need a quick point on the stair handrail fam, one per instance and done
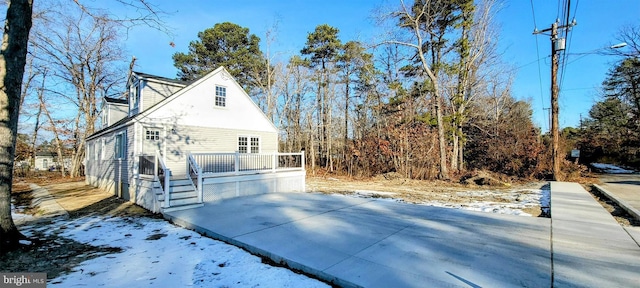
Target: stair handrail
(165, 179)
(193, 166)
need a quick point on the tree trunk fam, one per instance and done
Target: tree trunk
(454, 151)
(56, 136)
(12, 61)
(346, 124)
(34, 139)
(444, 172)
(328, 128)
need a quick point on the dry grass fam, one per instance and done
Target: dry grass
(51, 253)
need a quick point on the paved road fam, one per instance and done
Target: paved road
(625, 187)
(625, 190)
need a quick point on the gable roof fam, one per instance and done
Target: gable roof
(115, 100)
(131, 119)
(161, 79)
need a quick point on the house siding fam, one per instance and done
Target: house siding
(190, 139)
(115, 113)
(40, 162)
(188, 122)
(154, 92)
(195, 106)
(106, 172)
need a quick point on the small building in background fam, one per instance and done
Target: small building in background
(48, 161)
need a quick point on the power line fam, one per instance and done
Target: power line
(569, 37)
(535, 26)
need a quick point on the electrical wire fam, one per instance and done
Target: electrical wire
(539, 69)
(569, 37)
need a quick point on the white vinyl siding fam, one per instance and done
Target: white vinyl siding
(195, 106)
(103, 148)
(114, 171)
(96, 151)
(208, 140)
(154, 92)
(115, 112)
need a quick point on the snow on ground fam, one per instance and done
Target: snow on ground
(611, 169)
(19, 217)
(512, 202)
(159, 254)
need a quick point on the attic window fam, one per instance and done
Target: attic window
(221, 96)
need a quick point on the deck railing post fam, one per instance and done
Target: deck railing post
(167, 187)
(200, 185)
(237, 162)
(274, 162)
(155, 167)
(302, 160)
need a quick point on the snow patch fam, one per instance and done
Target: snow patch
(611, 169)
(512, 201)
(374, 193)
(181, 258)
(19, 218)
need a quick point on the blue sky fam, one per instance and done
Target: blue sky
(598, 21)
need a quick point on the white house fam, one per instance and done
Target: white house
(181, 144)
(45, 161)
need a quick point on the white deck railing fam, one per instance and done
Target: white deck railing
(195, 173)
(218, 164)
(153, 165)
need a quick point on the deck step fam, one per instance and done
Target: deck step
(184, 201)
(183, 194)
(181, 182)
(182, 207)
(184, 188)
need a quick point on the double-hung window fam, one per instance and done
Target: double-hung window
(120, 149)
(221, 96)
(248, 144)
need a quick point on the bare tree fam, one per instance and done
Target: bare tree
(428, 22)
(264, 77)
(13, 55)
(56, 129)
(476, 49)
(84, 54)
(629, 34)
(294, 85)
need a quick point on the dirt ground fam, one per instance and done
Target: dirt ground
(419, 191)
(52, 254)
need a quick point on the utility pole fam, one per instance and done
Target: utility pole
(557, 44)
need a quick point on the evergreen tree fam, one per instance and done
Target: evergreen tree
(322, 48)
(226, 44)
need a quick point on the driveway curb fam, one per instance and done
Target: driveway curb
(626, 206)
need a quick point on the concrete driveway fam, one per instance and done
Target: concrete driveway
(358, 242)
(378, 243)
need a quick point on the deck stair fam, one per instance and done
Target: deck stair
(182, 195)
